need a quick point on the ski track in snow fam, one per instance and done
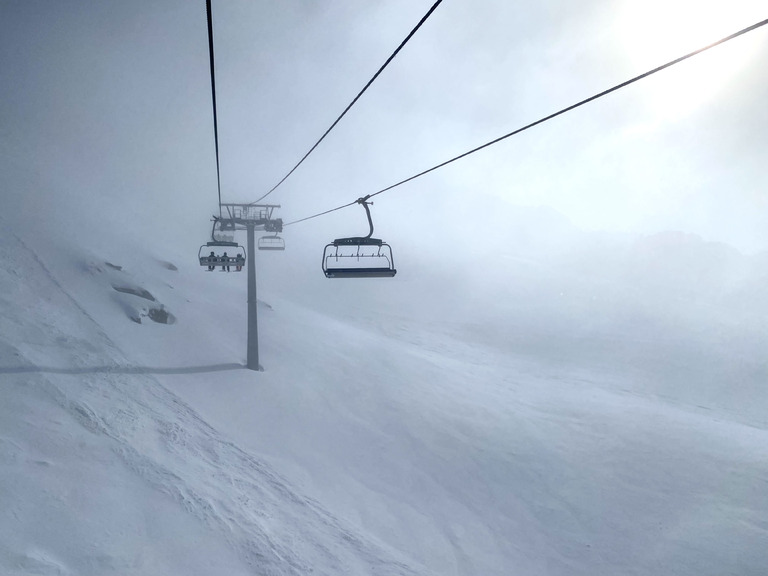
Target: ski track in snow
(274, 529)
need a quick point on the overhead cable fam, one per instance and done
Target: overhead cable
(213, 99)
(542, 120)
(403, 43)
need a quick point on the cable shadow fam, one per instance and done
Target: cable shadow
(121, 369)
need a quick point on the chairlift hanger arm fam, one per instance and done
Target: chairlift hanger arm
(548, 117)
(213, 228)
(364, 202)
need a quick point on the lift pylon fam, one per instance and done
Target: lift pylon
(248, 217)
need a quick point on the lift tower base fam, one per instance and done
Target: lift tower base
(253, 305)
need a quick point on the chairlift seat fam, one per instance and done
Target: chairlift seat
(342, 251)
(360, 272)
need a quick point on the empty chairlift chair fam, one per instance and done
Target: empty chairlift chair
(271, 243)
(358, 256)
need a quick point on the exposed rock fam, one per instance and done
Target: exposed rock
(136, 291)
(161, 315)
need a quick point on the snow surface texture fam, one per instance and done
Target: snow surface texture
(375, 442)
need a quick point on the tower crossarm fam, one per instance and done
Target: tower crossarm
(244, 216)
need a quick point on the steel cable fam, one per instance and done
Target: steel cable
(549, 117)
(380, 70)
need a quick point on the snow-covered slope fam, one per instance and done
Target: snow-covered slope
(106, 471)
(373, 443)
(523, 398)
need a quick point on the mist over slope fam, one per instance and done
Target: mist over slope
(444, 422)
(524, 397)
(105, 471)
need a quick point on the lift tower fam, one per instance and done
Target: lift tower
(250, 217)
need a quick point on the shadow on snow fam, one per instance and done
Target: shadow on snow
(121, 369)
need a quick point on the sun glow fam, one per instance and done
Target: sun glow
(654, 32)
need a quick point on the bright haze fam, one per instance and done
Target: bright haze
(126, 88)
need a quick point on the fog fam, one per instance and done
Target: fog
(566, 375)
(114, 101)
(641, 213)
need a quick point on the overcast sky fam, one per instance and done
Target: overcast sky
(108, 103)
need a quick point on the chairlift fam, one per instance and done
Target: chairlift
(359, 256)
(221, 253)
(271, 243)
